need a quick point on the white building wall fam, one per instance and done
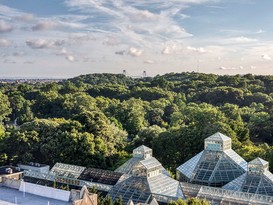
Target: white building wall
(153, 173)
(44, 191)
(42, 169)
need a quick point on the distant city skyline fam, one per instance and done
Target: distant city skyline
(67, 38)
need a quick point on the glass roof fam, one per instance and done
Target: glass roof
(149, 176)
(213, 168)
(150, 163)
(165, 185)
(269, 175)
(258, 161)
(223, 196)
(128, 167)
(236, 158)
(188, 167)
(216, 165)
(142, 149)
(139, 189)
(100, 176)
(236, 184)
(134, 188)
(253, 183)
(66, 170)
(218, 137)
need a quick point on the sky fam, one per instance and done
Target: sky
(67, 38)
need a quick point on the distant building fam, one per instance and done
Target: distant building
(10, 172)
(215, 166)
(10, 176)
(35, 167)
(257, 180)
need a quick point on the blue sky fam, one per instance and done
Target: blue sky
(66, 38)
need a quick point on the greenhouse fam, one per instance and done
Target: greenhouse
(139, 154)
(145, 169)
(75, 176)
(134, 188)
(215, 166)
(257, 180)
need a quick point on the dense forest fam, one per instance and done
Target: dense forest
(96, 120)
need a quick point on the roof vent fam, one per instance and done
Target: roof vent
(9, 171)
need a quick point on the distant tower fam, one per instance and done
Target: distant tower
(124, 72)
(144, 74)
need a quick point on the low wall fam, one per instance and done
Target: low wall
(45, 191)
(11, 183)
(6, 203)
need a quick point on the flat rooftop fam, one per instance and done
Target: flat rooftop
(32, 164)
(3, 170)
(12, 196)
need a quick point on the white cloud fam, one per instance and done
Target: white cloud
(18, 53)
(70, 58)
(134, 52)
(112, 41)
(240, 40)
(5, 27)
(26, 17)
(169, 49)
(149, 62)
(72, 25)
(198, 50)
(8, 12)
(44, 43)
(45, 25)
(63, 51)
(143, 15)
(96, 30)
(167, 4)
(133, 24)
(60, 22)
(5, 43)
(260, 31)
(184, 16)
(80, 38)
(231, 68)
(266, 57)
(29, 62)
(8, 61)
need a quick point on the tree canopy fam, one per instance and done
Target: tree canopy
(96, 120)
